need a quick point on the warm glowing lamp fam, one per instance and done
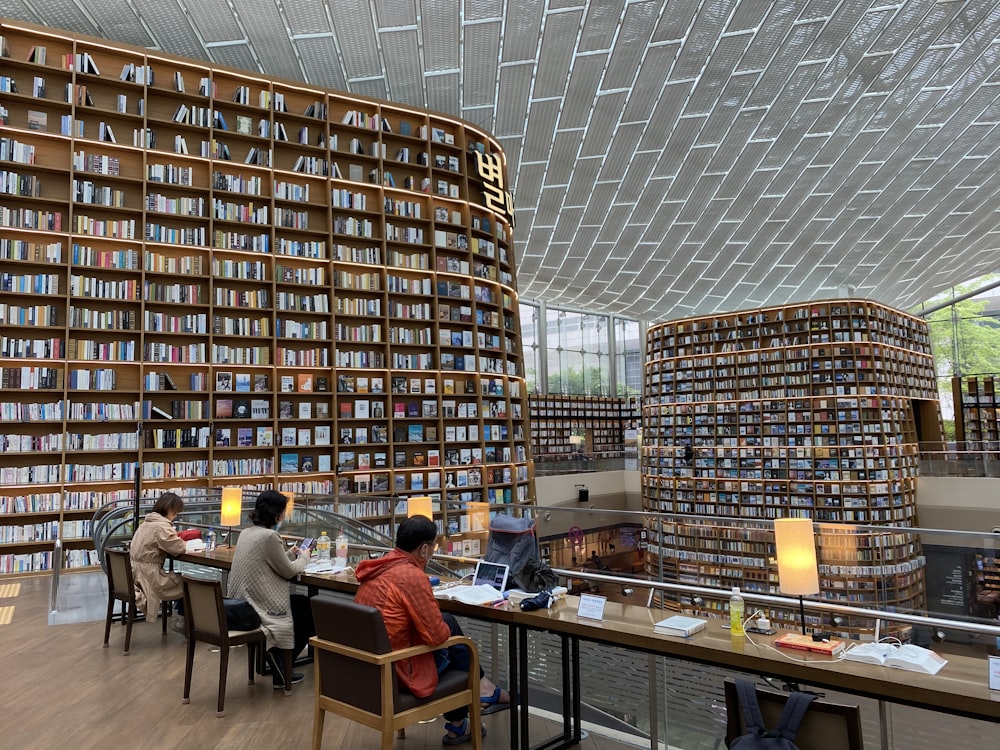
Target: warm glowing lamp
(422, 505)
(232, 509)
(291, 505)
(479, 516)
(795, 547)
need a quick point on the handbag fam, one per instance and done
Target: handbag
(240, 615)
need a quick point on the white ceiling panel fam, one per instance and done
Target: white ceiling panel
(513, 88)
(584, 81)
(213, 19)
(555, 55)
(355, 29)
(174, 31)
(123, 27)
(321, 62)
(522, 28)
(265, 28)
(63, 15)
(667, 159)
(480, 60)
(404, 80)
(541, 128)
(630, 44)
(600, 24)
(306, 17)
(442, 34)
(236, 56)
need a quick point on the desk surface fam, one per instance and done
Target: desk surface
(959, 688)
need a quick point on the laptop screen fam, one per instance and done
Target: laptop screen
(492, 574)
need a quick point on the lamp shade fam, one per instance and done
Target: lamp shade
(795, 546)
(420, 506)
(232, 506)
(291, 504)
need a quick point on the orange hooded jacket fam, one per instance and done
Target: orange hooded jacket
(398, 586)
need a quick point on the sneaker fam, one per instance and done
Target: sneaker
(177, 625)
(278, 672)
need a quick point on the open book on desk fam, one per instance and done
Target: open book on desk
(481, 594)
(326, 566)
(907, 656)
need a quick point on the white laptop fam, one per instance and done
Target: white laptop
(492, 574)
(487, 585)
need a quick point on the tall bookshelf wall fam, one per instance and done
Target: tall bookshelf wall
(806, 410)
(602, 420)
(215, 278)
(977, 410)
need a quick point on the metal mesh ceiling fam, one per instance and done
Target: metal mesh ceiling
(669, 160)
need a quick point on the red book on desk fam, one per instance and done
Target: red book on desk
(800, 642)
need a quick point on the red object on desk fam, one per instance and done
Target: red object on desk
(188, 534)
(801, 642)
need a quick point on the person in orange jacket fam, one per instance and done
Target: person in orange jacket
(397, 585)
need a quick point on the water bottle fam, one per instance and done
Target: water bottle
(210, 540)
(323, 546)
(736, 612)
(341, 549)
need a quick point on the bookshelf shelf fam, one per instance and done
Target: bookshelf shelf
(174, 221)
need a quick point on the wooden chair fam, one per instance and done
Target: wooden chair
(121, 588)
(827, 726)
(356, 677)
(205, 620)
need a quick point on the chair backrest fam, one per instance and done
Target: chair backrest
(358, 626)
(827, 726)
(120, 574)
(203, 606)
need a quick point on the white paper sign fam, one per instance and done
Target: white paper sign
(995, 673)
(591, 607)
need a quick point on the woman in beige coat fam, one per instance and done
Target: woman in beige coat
(154, 540)
(261, 570)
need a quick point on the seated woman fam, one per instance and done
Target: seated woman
(155, 540)
(260, 573)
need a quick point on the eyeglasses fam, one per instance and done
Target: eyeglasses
(433, 547)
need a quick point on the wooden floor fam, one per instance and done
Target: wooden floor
(62, 686)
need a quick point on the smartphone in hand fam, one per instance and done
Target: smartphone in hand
(306, 544)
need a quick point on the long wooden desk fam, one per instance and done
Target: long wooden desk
(960, 688)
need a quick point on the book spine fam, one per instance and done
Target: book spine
(803, 647)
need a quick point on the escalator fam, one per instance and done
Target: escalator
(114, 524)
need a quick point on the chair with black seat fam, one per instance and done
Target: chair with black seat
(121, 588)
(351, 639)
(826, 726)
(205, 620)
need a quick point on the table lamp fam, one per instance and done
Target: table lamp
(290, 508)
(795, 547)
(232, 509)
(421, 505)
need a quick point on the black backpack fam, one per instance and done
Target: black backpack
(759, 737)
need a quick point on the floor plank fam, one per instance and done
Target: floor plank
(63, 684)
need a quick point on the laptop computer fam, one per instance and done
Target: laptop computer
(492, 574)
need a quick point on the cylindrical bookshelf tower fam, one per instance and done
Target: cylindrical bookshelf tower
(810, 410)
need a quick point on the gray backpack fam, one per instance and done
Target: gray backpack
(512, 541)
(759, 737)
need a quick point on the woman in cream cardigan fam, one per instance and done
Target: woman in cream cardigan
(262, 568)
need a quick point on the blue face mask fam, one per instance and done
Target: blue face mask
(278, 525)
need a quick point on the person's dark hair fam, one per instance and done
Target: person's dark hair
(168, 501)
(270, 504)
(414, 531)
